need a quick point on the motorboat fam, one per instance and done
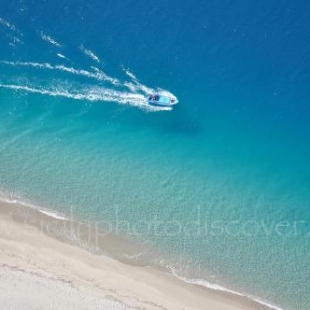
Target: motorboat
(161, 100)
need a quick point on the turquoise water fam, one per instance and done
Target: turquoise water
(220, 183)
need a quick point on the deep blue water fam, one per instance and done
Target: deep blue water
(220, 171)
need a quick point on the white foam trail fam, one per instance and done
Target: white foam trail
(49, 39)
(130, 74)
(136, 96)
(27, 64)
(13, 35)
(89, 53)
(136, 85)
(17, 40)
(217, 287)
(61, 56)
(91, 94)
(133, 88)
(145, 89)
(98, 75)
(14, 40)
(8, 25)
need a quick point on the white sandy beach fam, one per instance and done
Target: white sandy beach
(41, 272)
(25, 290)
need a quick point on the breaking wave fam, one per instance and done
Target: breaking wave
(216, 287)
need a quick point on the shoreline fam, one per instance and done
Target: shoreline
(26, 244)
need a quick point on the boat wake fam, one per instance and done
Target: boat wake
(79, 84)
(90, 54)
(13, 34)
(61, 80)
(93, 94)
(49, 39)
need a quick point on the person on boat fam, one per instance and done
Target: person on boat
(153, 97)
